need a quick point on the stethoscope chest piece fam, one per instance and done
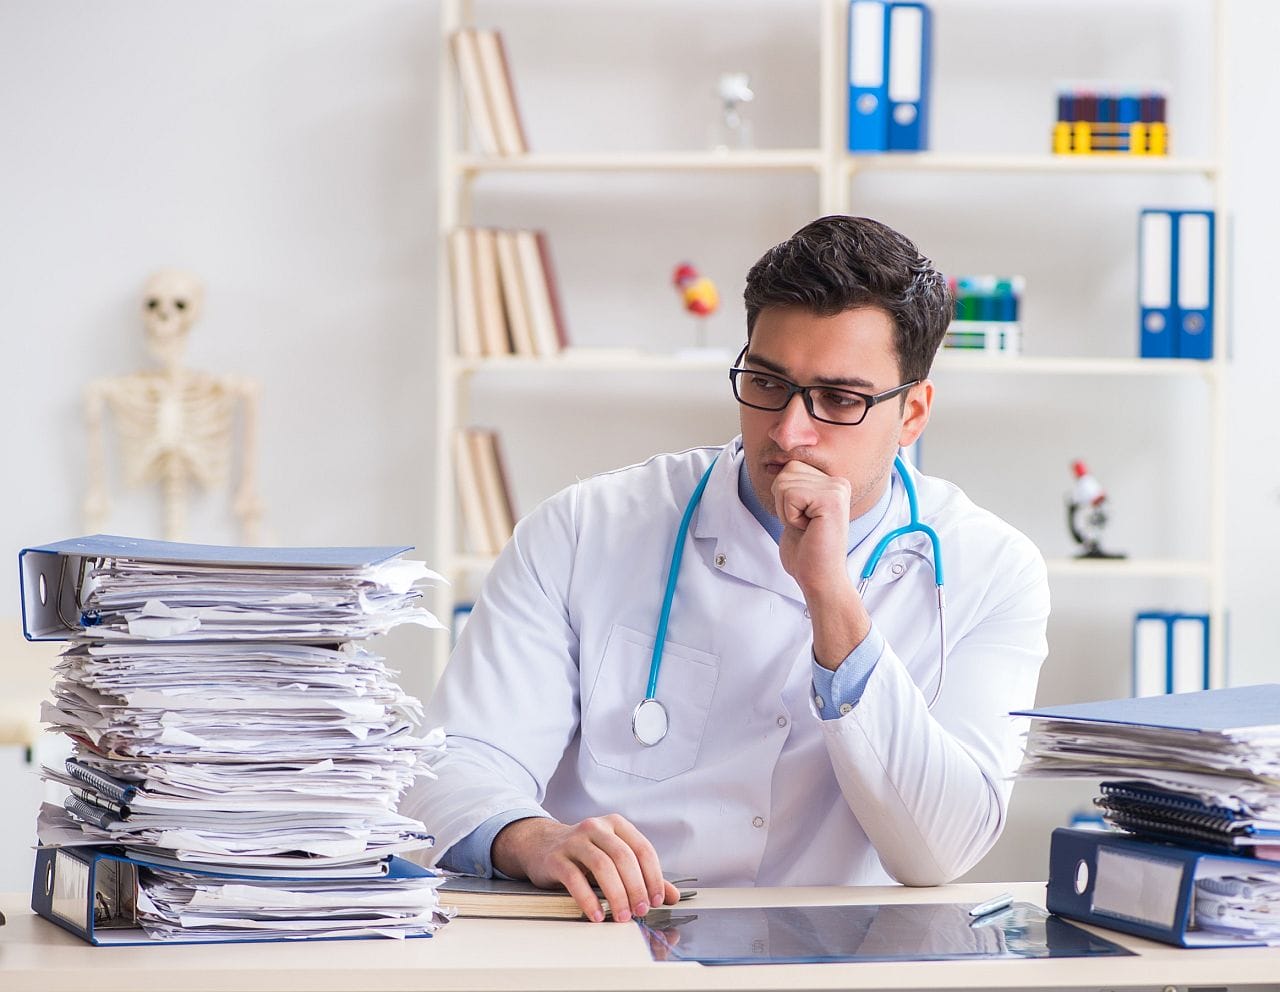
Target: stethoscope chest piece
(649, 722)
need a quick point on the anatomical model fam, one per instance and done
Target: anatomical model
(174, 424)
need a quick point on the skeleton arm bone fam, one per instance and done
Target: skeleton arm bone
(247, 505)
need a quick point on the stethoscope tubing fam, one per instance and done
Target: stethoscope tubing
(651, 707)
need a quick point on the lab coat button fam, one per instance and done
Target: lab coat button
(817, 700)
(782, 721)
(720, 560)
(845, 708)
(758, 822)
(806, 614)
(897, 568)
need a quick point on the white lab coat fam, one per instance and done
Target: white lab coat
(750, 786)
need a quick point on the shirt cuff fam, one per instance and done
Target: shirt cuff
(473, 855)
(836, 693)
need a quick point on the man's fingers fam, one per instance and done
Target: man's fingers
(647, 858)
(576, 882)
(600, 866)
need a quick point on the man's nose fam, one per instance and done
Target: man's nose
(794, 427)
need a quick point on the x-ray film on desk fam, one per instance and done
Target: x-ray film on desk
(815, 934)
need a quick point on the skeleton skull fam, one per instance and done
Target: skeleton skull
(171, 303)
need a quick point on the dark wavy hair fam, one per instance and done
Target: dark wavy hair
(840, 263)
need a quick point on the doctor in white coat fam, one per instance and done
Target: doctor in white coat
(802, 748)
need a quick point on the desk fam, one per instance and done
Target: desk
(506, 954)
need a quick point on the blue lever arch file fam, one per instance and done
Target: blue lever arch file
(50, 575)
(1138, 887)
(910, 53)
(92, 893)
(868, 75)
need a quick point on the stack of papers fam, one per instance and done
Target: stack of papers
(124, 599)
(1246, 904)
(1199, 769)
(1221, 746)
(225, 719)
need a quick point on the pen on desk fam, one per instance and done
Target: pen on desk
(1003, 901)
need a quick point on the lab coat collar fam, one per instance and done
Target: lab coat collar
(744, 549)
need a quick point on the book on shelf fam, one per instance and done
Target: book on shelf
(484, 73)
(495, 69)
(501, 898)
(466, 312)
(466, 58)
(505, 297)
(466, 478)
(484, 493)
(514, 295)
(549, 329)
(494, 338)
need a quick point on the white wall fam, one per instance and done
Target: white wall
(283, 150)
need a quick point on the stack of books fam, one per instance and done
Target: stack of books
(485, 76)
(1191, 790)
(505, 298)
(986, 314)
(1092, 122)
(238, 752)
(484, 491)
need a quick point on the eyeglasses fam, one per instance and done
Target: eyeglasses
(829, 404)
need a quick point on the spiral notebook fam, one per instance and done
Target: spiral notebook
(1165, 815)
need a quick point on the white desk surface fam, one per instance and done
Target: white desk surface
(509, 954)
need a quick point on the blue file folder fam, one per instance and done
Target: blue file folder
(1212, 712)
(1170, 652)
(1194, 243)
(868, 75)
(1138, 887)
(910, 54)
(50, 575)
(1158, 321)
(1176, 283)
(91, 892)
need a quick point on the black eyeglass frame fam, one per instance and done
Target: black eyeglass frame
(868, 399)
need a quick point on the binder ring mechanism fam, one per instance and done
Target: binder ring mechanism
(1082, 876)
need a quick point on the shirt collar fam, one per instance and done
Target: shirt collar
(859, 527)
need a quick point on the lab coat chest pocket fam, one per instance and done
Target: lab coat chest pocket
(686, 683)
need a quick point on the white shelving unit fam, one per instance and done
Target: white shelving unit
(837, 173)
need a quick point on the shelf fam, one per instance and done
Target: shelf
(1130, 568)
(1058, 164)
(773, 160)
(628, 360)
(601, 360)
(952, 361)
(1121, 568)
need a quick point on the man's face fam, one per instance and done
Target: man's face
(853, 350)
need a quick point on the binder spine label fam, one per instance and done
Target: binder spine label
(1138, 888)
(70, 897)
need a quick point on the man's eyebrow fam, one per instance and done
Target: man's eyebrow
(851, 382)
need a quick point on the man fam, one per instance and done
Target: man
(803, 745)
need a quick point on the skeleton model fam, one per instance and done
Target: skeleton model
(174, 425)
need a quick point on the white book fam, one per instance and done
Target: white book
(467, 59)
(502, 99)
(466, 311)
(514, 295)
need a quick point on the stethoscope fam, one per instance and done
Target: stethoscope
(650, 722)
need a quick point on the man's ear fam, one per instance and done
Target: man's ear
(915, 412)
